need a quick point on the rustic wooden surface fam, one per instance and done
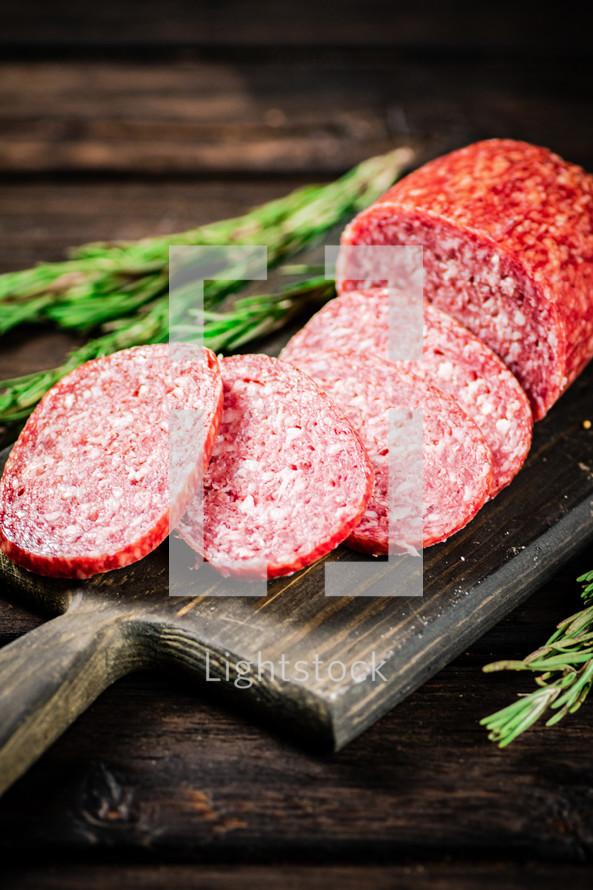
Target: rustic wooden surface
(155, 786)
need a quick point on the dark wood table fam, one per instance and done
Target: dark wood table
(156, 118)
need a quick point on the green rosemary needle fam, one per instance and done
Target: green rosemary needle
(108, 280)
(564, 668)
(122, 287)
(249, 318)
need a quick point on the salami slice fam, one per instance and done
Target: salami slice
(457, 462)
(86, 487)
(507, 236)
(289, 478)
(454, 360)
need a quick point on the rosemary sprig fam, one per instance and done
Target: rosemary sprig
(122, 287)
(564, 666)
(107, 280)
(249, 318)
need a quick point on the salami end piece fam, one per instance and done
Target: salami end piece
(454, 360)
(86, 487)
(507, 236)
(457, 462)
(289, 478)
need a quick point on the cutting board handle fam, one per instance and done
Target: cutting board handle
(50, 675)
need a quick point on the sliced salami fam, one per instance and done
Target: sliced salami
(454, 360)
(507, 236)
(456, 459)
(289, 478)
(87, 486)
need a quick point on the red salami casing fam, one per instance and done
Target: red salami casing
(507, 233)
(454, 360)
(87, 487)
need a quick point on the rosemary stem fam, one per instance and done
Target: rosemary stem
(565, 665)
(106, 281)
(122, 287)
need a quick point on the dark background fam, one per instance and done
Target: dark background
(123, 120)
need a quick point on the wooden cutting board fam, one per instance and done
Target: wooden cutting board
(124, 620)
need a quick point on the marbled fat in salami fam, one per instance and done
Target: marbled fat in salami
(87, 487)
(507, 236)
(454, 360)
(457, 463)
(289, 478)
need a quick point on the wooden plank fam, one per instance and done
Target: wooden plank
(271, 116)
(15, 620)
(424, 777)
(263, 22)
(40, 220)
(186, 118)
(154, 769)
(294, 877)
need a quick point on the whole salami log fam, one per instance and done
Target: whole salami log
(457, 462)
(507, 236)
(289, 478)
(87, 487)
(453, 360)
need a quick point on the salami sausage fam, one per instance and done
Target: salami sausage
(457, 462)
(507, 236)
(453, 360)
(86, 487)
(289, 478)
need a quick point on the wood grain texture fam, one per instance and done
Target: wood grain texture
(157, 771)
(280, 114)
(40, 220)
(234, 23)
(291, 877)
(49, 676)
(189, 117)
